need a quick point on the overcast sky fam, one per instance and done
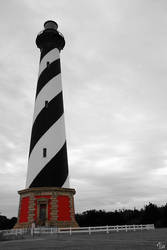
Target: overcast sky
(114, 74)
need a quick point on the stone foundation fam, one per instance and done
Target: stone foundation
(46, 206)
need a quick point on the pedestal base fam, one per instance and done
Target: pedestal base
(46, 206)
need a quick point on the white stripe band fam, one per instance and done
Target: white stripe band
(47, 93)
(50, 57)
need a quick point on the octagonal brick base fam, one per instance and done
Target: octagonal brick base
(46, 206)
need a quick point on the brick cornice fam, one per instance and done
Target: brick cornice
(43, 189)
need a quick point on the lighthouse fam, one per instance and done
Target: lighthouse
(47, 199)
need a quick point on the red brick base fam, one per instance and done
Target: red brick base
(46, 206)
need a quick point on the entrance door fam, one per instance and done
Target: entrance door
(42, 212)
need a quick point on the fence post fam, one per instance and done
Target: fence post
(107, 229)
(126, 229)
(134, 229)
(70, 231)
(89, 230)
(32, 231)
(117, 229)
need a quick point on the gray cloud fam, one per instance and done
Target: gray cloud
(114, 80)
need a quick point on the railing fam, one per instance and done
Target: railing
(21, 231)
(106, 229)
(70, 231)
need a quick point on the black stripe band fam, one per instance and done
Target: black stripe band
(51, 71)
(46, 118)
(55, 173)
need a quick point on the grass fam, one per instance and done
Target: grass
(145, 240)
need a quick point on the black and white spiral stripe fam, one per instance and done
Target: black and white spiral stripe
(48, 130)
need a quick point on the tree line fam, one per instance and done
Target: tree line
(150, 214)
(6, 223)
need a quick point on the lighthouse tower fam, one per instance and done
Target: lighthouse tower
(47, 199)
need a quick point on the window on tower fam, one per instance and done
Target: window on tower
(44, 152)
(46, 104)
